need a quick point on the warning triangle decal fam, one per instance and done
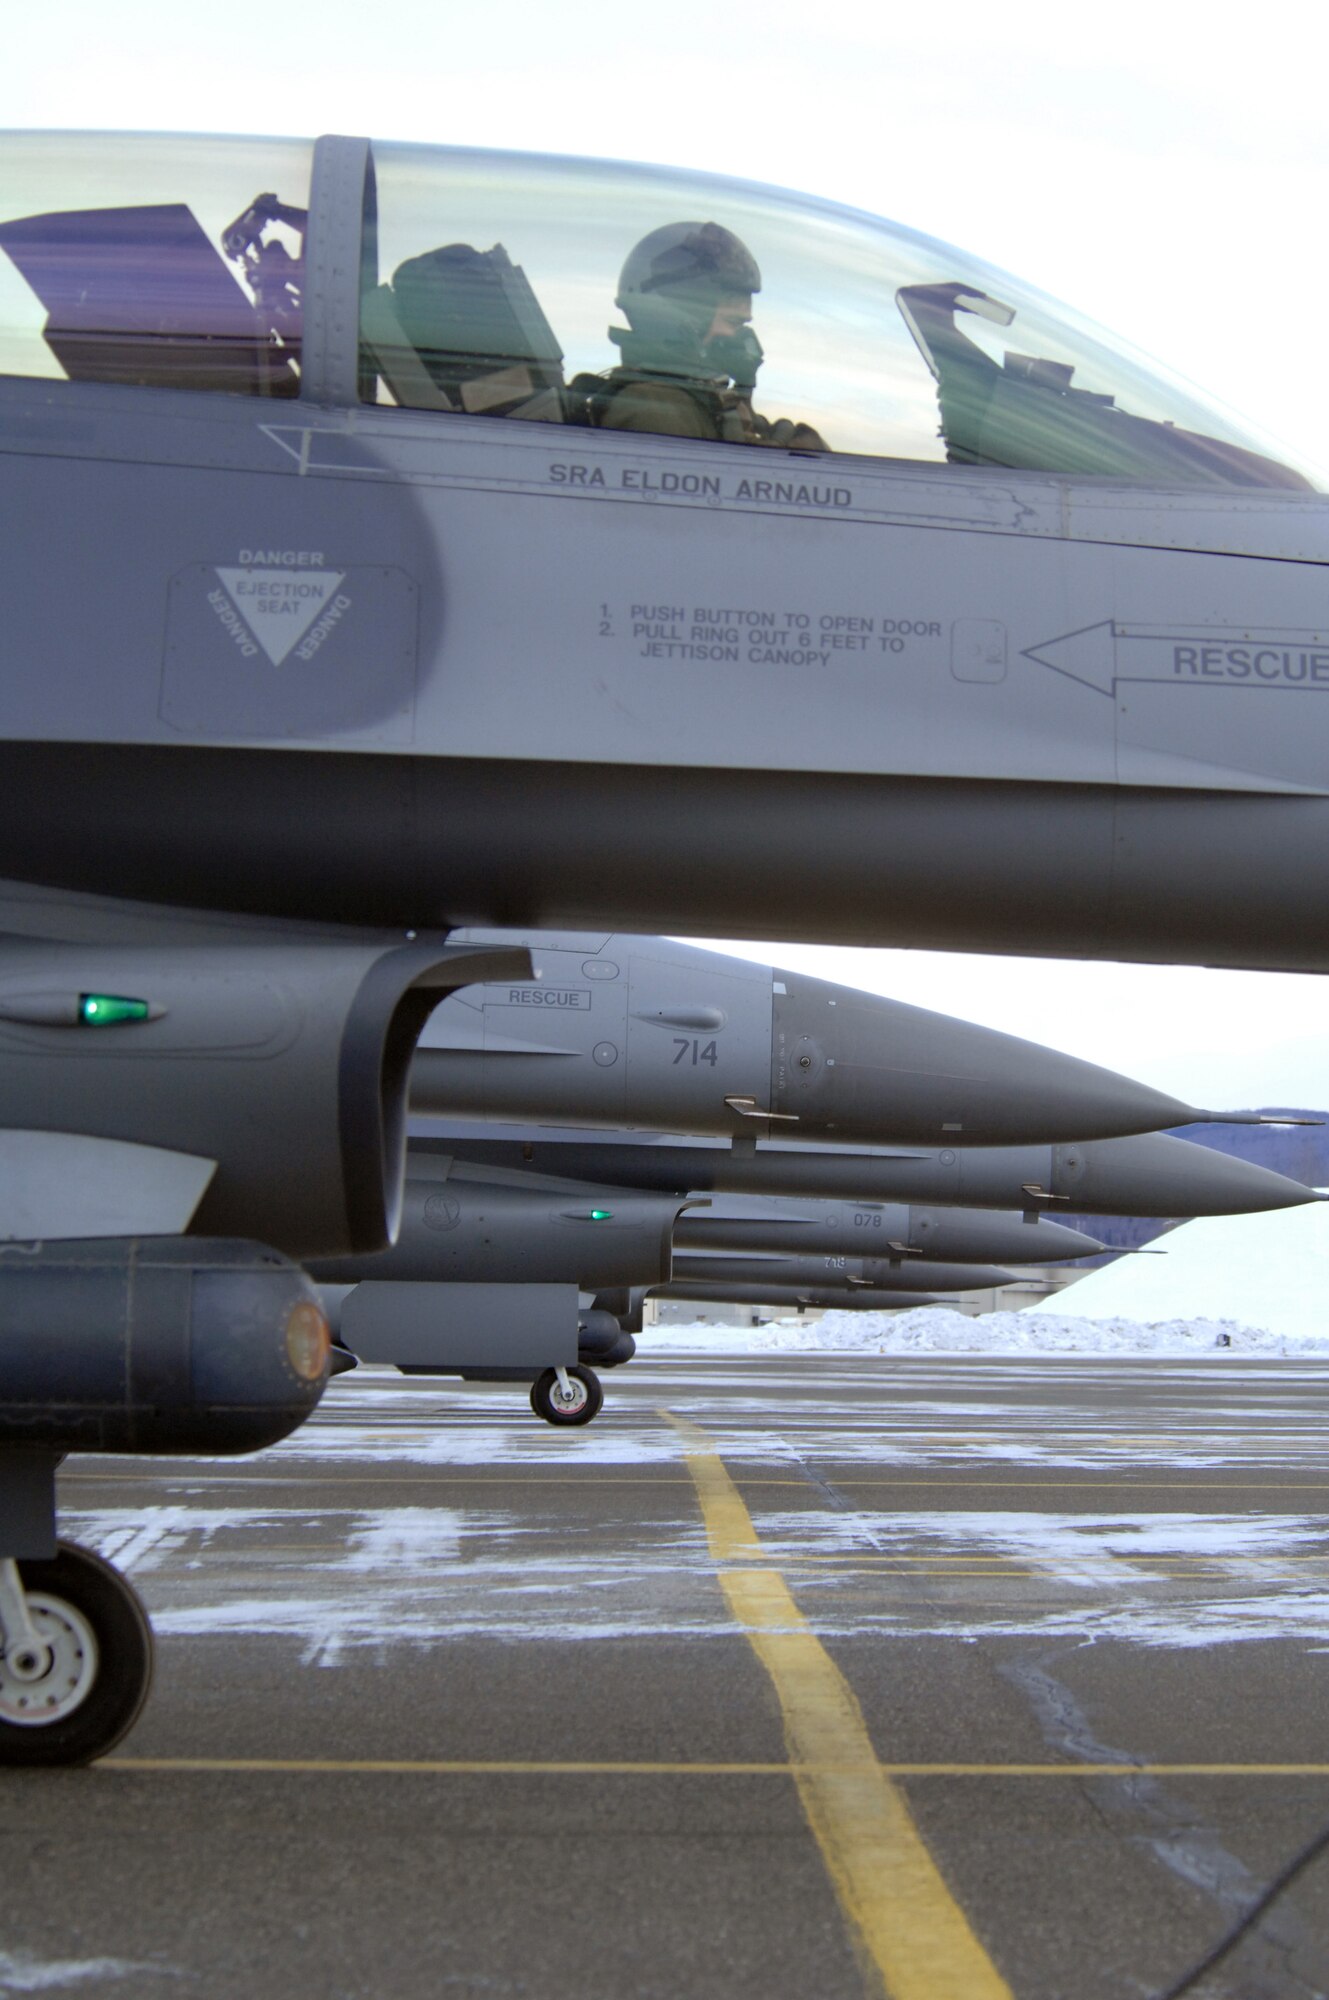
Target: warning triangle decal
(280, 605)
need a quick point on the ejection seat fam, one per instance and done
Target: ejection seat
(142, 296)
(460, 329)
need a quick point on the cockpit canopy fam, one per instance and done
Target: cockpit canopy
(150, 260)
(488, 287)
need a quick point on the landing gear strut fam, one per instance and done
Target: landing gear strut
(75, 1658)
(567, 1395)
(144, 1345)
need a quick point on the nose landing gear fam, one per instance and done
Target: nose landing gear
(567, 1396)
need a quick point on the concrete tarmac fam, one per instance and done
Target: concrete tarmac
(941, 1677)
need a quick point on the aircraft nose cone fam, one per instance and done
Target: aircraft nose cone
(1157, 1174)
(1058, 1244)
(855, 1066)
(1008, 1239)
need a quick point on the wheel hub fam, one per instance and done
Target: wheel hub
(35, 1700)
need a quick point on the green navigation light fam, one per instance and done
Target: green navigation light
(106, 1010)
(602, 1215)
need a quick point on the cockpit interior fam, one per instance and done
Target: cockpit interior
(489, 288)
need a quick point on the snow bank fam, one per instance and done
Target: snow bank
(939, 1330)
(1269, 1271)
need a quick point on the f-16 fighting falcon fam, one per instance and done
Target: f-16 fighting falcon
(486, 1277)
(658, 1034)
(336, 618)
(1155, 1174)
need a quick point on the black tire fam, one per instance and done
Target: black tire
(545, 1398)
(78, 1591)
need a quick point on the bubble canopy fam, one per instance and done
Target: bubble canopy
(884, 342)
(491, 287)
(137, 259)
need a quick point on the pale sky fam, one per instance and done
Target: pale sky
(1164, 168)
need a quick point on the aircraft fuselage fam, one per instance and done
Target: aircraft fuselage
(300, 625)
(479, 750)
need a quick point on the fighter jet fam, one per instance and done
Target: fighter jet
(350, 595)
(666, 1035)
(487, 1276)
(974, 666)
(889, 1230)
(990, 642)
(650, 1032)
(490, 1267)
(1155, 1174)
(942, 1209)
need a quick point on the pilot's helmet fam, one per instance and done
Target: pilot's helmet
(671, 286)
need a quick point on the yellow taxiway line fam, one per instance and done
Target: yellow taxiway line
(910, 1932)
(444, 1767)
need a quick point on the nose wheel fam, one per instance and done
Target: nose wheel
(567, 1395)
(75, 1658)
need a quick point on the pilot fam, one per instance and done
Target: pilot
(690, 356)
